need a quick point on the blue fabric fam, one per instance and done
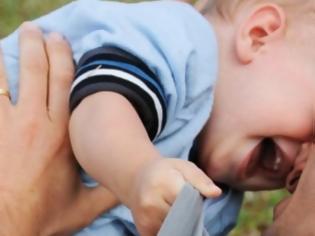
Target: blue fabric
(179, 46)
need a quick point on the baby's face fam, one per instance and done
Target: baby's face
(262, 115)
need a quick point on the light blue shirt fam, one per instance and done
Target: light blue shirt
(179, 46)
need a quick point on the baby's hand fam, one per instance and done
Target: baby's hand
(157, 187)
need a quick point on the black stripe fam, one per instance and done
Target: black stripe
(103, 66)
(141, 101)
(112, 53)
(148, 83)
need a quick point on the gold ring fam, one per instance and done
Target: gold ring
(5, 92)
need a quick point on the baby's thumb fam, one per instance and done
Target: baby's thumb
(197, 178)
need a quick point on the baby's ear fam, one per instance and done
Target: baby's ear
(265, 24)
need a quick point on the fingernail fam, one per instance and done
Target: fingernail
(56, 36)
(29, 26)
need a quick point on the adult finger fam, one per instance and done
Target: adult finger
(100, 198)
(201, 5)
(89, 204)
(61, 73)
(33, 69)
(306, 184)
(4, 88)
(197, 178)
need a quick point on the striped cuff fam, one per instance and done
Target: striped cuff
(111, 69)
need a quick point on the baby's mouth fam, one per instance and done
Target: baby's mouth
(273, 162)
(269, 158)
(279, 165)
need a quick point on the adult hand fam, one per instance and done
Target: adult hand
(40, 190)
(200, 5)
(295, 214)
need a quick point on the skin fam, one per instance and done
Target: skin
(294, 215)
(40, 190)
(264, 97)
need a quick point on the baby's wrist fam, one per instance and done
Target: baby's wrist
(137, 178)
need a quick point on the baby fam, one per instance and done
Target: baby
(152, 82)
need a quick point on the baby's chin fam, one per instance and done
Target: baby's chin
(236, 182)
(255, 187)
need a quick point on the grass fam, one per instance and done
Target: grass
(256, 213)
(14, 12)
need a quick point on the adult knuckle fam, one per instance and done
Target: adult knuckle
(28, 133)
(32, 121)
(31, 130)
(37, 66)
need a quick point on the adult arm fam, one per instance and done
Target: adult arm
(295, 214)
(40, 190)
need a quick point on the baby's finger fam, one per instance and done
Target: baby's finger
(197, 178)
(33, 69)
(61, 74)
(176, 185)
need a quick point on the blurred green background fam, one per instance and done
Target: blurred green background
(257, 208)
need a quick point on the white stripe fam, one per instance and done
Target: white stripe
(128, 77)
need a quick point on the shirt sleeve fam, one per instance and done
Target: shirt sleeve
(115, 70)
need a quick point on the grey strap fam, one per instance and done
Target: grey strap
(185, 217)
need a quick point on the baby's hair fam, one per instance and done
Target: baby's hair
(293, 8)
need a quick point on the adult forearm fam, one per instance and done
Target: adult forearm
(108, 138)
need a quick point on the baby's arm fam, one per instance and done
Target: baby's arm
(111, 140)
